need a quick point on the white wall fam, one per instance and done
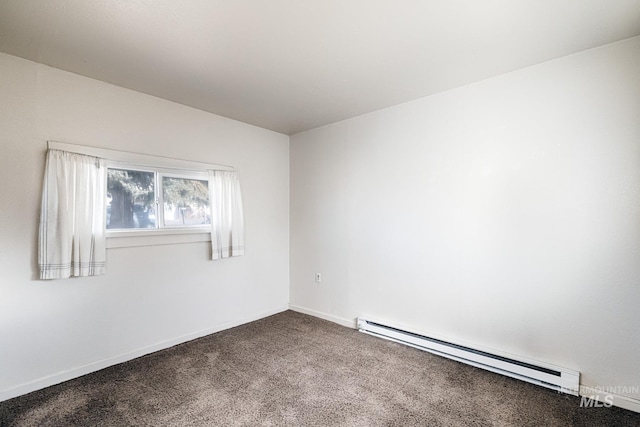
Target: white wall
(504, 214)
(151, 297)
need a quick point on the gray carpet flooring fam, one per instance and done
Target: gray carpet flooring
(295, 370)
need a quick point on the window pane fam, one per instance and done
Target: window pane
(130, 199)
(186, 202)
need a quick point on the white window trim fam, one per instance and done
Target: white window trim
(158, 238)
(173, 167)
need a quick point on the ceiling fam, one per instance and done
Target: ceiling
(293, 65)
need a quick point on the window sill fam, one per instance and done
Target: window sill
(129, 239)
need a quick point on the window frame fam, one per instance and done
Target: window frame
(191, 175)
(159, 173)
(127, 167)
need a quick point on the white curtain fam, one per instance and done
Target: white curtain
(227, 234)
(72, 227)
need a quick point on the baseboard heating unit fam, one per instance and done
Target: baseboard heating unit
(550, 376)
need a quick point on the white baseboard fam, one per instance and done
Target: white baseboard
(70, 374)
(601, 394)
(335, 319)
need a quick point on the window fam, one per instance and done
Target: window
(146, 199)
(131, 200)
(185, 202)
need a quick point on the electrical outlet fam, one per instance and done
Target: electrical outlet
(318, 278)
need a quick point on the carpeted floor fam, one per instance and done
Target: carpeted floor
(295, 370)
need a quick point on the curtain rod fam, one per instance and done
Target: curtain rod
(136, 158)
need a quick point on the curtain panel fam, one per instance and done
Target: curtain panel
(72, 235)
(227, 235)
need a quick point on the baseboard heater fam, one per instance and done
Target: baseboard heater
(550, 376)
